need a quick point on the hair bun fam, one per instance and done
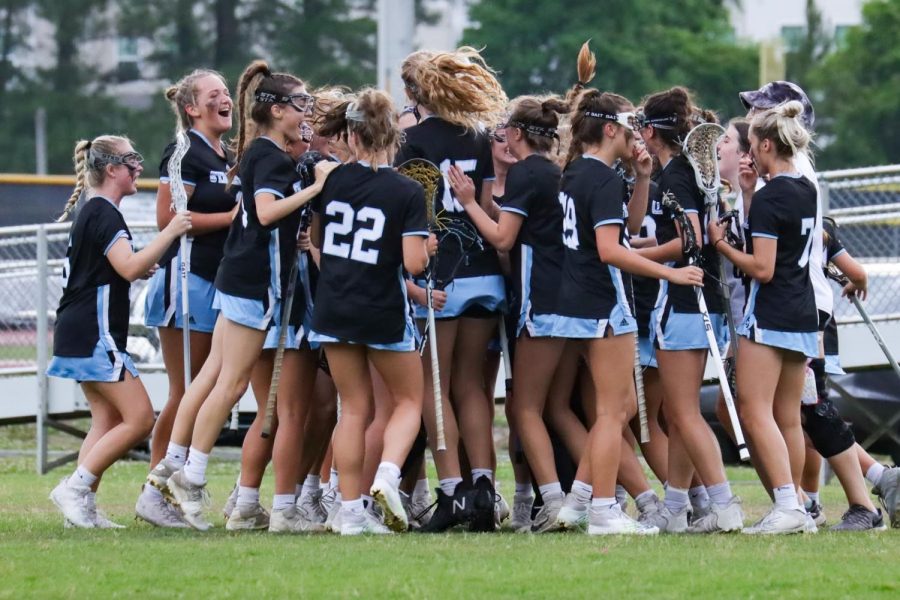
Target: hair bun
(171, 92)
(792, 109)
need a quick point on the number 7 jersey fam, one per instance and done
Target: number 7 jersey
(363, 216)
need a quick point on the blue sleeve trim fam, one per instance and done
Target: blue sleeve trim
(186, 182)
(609, 222)
(275, 193)
(513, 209)
(164, 180)
(489, 178)
(418, 233)
(764, 235)
(692, 211)
(120, 234)
(838, 253)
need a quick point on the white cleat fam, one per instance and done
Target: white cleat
(311, 505)
(501, 510)
(388, 499)
(546, 520)
(368, 525)
(230, 503)
(74, 503)
(248, 518)
(665, 520)
(191, 500)
(291, 520)
(419, 509)
(521, 514)
(781, 521)
(573, 515)
(720, 519)
(159, 477)
(159, 512)
(613, 521)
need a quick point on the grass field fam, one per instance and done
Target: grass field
(41, 559)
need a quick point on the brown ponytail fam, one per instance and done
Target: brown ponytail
(674, 112)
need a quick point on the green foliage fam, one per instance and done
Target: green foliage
(814, 46)
(859, 86)
(642, 46)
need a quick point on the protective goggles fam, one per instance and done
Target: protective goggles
(498, 135)
(301, 102)
(628, 120)
(132, 160)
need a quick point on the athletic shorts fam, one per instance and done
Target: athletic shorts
(619, 320)
(244, 311)
(833, 365)
(648, 352)
(104, 365)
(162, 307)
(297, 335)
(806, 343)
(407, 344)
(476, 297)
(670, 330)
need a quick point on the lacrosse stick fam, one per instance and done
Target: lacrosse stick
(179, 203)
(426, 174)
(507, 363)
(692, 253)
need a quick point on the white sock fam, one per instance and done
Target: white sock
(814, 496)
(523, 489)
(247, 496)
(448, 485)
(176, 455)
(282, 501)
(720, 494)
(421, 488)
(676, 499)
(195, 467)
(310, 485)
(81, 478)
(582, 492)
(333, 478)
(699, 497)
(603, 503)
(786, 497)
(476, 473)
(874, 473)
(550, 491)
(390, 473)
(298, 490)
(354, 510)
(644, 497)
(621, 494)
(152, 492)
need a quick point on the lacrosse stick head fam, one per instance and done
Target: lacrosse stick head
(176, 183)
(700, 149)
(689, 246)
(429, 176)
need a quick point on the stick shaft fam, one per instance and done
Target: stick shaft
(184, 267)
(288, 303)
(876, 334)
(507, 361)
(639, 389)
(435, 370)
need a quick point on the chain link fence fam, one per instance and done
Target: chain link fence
(31, 260)
(865, 203)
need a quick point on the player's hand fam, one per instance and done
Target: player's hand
(323, 169)
(851, 290)
(180, 224)
(438, 299)
(303, 241)
(150, 272)
(687, 276)
(747, 176)
(431, 245)
(715, 230)
(462, 185)
(642, 161)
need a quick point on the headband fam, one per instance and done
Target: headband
(668, 122)
(354, 114)
(534, 129)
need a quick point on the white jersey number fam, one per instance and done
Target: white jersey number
(570, 231)
(372, 217)
(451, 204)
(805, 228)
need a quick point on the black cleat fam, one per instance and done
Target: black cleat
(483, 496)
(452, 510)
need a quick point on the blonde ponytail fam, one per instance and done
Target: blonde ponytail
(80, 159)
(90, 159)
(783, 126)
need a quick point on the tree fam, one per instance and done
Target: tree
(814, 46)
(859, 85)
(642, 46)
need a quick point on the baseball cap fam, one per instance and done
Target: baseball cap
(778, 92)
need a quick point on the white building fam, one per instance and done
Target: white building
(767, 20)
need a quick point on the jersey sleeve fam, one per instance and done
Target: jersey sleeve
(108, 227)
(519, 191)
(191, 170)
(605, 203)
(414, 222)
(274, 174)
(486, 158)
(164, 163)
(835, 247)
(764, 219)
(679, 181)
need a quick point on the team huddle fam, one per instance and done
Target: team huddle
(365, 269)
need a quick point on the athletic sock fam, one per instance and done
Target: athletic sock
(720, 494)
(333, 477)
(389, 472)
(247, 496)
(421, 488)
(786, 497)
(874, 473)
(621, 495)
(310, 485)
(603, 503)
(551, 491)
(81, 478)
(645, 498)
(476, 473)
(582, 492)
(524, 489)
(195, 467)
(448, 485)
(368, 501)
(176, 455)
(298, 490)
(676, 499)
(699, 497)
(282, 501)
(813, 496)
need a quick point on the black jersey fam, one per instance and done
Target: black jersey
(832, 248)
(785, 210)
(591, 196)
(532, 191)
(677, 178)
(257, 257)
(364, 214)
(205, 170)
(94, 305)
(446, 144)
(646, 289)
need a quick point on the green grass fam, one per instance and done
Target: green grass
(41, 559)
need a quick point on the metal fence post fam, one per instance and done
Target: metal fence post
(824, 197)
(42, 350)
